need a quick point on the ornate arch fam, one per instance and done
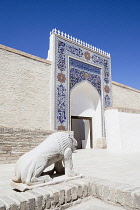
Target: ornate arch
(88, 64)
(80, 71)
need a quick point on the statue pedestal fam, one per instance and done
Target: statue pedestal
(23, 187)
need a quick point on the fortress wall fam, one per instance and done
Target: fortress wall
(25, 90)
(124, 96)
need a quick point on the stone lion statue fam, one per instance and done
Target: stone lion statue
(56, 148)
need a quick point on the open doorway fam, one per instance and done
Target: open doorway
(82, 127)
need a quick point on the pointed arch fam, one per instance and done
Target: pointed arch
(85, 101)
(84, 98)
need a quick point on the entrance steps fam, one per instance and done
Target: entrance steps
(67, 194)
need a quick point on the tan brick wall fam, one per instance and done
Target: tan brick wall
(14, 142)
(124, 96)
(25, 90)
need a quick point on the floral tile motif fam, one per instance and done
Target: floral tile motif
(61, 77)
(107, 89)
(87, 55)
(61, 105)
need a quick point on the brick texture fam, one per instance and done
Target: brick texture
(124, 96)
(15, 142)
(25, 91)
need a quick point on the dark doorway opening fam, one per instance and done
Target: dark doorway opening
(78, 126)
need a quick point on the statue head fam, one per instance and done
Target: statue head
(74, 142)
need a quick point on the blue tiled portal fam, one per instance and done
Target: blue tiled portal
(73, 64)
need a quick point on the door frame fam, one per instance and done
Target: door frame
(90, 126)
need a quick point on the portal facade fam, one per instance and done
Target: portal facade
(81, 80)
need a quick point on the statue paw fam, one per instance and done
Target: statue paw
(48, 179)
(72, 173)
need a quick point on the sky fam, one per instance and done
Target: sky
(111, 25)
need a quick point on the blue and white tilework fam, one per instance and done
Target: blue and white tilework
(80, 71)
(73, 64)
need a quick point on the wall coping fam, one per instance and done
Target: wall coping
(123, 109)
(125, 86)
(18, 52)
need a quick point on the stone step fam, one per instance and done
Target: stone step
(70, 193)
(95, 204)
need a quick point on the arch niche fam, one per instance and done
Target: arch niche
(85, 111)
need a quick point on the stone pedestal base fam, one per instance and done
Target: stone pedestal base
(23, 187)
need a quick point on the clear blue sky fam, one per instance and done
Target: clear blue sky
(111, 25)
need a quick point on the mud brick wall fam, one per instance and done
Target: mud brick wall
(15, 142)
